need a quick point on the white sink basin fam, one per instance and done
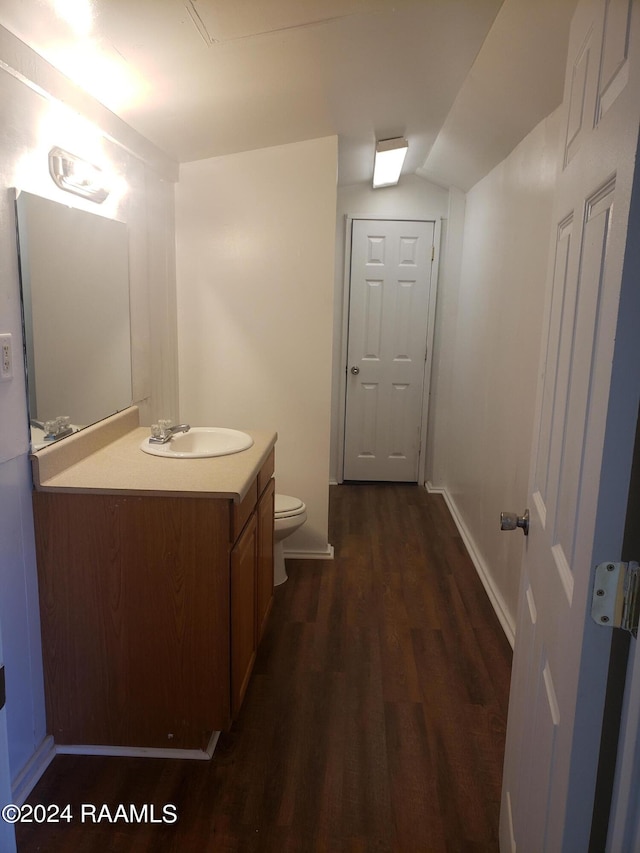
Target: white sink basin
(200, 442)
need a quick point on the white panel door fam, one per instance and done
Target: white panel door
(7, 833)
(391, 265)
(586, 416)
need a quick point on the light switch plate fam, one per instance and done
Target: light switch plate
(6, 358)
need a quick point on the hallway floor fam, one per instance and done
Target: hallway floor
(374, 720)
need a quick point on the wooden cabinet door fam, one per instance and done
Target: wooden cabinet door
(134, 601)
(265, 515)
(244, 640)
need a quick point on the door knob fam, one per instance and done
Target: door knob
(355, 370)
(511, 521)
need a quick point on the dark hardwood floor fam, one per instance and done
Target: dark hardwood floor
(374, 720)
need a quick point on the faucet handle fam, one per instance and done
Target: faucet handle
(165, 426)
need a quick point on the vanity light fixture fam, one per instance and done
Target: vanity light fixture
(75, 175)
(387, 165)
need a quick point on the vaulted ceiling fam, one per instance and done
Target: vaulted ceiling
(462, 80)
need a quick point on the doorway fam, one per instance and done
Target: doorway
(389, 345)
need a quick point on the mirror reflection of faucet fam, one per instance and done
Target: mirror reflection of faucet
(57, 428)
(163, 431)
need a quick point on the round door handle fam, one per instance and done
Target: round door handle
(355, 370)
(511, 521)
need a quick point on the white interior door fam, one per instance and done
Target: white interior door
(7, 833)
(587, 408)
(391, 264)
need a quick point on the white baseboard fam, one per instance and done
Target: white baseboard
(310, 555)
(30, 774)
(495, 597)
(140, 751)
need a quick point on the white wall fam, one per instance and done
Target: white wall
(489, 349)
(33, 121)
(255, 260)
(412, 198)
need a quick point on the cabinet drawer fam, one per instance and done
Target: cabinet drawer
(266, 472)
(243, 510)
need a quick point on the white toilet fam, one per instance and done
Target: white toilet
(290, 514)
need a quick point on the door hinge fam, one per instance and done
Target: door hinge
(3, 694)
(616, 596)
(433, 253)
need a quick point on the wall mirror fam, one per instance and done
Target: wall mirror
(74, 275)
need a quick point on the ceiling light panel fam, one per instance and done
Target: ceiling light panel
(388, 161)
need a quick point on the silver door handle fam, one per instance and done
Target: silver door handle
(511, 521)
(355, 370)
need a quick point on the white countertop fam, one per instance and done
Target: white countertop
(106, 459)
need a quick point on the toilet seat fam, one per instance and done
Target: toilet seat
(288, 507)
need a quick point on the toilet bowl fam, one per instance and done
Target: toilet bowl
(290, 514)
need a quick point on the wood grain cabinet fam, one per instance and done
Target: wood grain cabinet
(152, 609)
(244, 642)
(265, 513)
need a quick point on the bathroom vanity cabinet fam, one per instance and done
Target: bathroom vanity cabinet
(152, 608)
(251, 581)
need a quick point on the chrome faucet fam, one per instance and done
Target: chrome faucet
(162, 432)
